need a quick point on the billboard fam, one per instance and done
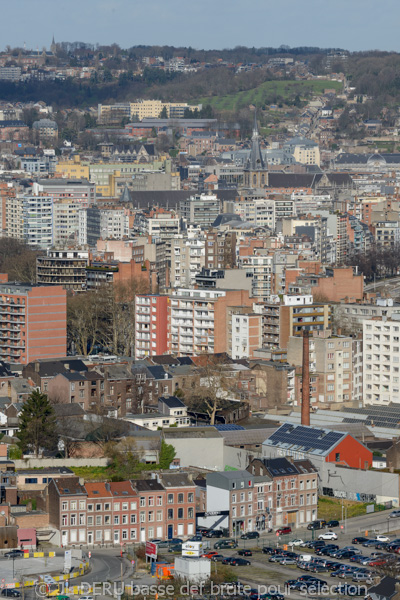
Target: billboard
(151, 550)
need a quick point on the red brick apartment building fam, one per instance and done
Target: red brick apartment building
(33, 322)
(98, 513)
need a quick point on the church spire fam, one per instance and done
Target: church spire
(256, 160)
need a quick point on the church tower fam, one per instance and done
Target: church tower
(255, 174)
(53, 47)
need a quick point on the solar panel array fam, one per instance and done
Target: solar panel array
(229, 427)
(380, 416)
(305, 439)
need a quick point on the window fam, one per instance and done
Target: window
(159, 500)
(133, 519)
(124, 534)
(180, 498)
(81, 505)
(337, 456)
(124, 506)
(107, 520)
(98, 507)
(170, 513)
(98, 520)
(159, 515)
(250, 495)
(73, 520)
(151, 501)
(81, 519)
(190, 497)
(170, 499)
(151, 515)
(73, 505)
(190, 513)
(242, 511)
(180, 513)
(242, 497)
(116, 519)
(133, 534)
(249, 509)
(65, 519)
(142, 517)
(233, 497)
(124, 519)
(90, 520)
(65, 506)
(90, 507)
(142, 501)
(133, 505)
(107, 506)
(301, 500)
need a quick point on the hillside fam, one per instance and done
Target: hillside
(269, 92)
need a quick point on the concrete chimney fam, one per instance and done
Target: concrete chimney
(305, 396)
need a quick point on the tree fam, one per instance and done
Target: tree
(37, 425)
(167, 455)
(164, 113)
(84, 312)
(118, 319)
(216, 384)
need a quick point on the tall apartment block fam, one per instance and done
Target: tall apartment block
(291, 316)
(33, 322)
(198, 319)
(151, 321)
(381, 361)
(331, 366)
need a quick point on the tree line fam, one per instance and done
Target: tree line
(378, 262)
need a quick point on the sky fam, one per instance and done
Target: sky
(208, 24)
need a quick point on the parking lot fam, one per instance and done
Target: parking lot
(268, 569)
(13, 571)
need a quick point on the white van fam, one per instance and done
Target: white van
(305, 557)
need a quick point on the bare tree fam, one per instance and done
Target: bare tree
(217, 384)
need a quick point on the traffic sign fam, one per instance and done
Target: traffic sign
(132, 562)
(90, 554)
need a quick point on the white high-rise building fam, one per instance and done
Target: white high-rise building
(381, 361)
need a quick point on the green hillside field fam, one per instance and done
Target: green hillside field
(269, 92)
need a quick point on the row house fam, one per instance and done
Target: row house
(292, 494)
(97, 513)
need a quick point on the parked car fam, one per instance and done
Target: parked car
(209, 554)
(244, 552)
(382, 538)
(267, 549)
(228, 560)
(360, 539)
(360, 577)
(196, 538)
(218, 558)
(14, 554)
(284, 531)
(369, 543)
(214, 533)
(250, 535)
(276, 558)
(316, 568)
(224, 544)
(333, 523)
(11, 593)
(239, 562)
(329, 535)
(319, 524)
(291, 583)
(297, 542)
(324, 550)
(395, 514)
(288, 560)
(160, 543)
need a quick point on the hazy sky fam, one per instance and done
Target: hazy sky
(350, 24)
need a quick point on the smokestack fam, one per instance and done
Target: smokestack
(305, 396)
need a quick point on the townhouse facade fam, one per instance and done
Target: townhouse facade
(118, 513)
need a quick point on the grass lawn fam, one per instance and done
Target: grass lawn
(266, 93)
(91, 473)
(331, 508)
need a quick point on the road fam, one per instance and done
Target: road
(106, 563)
